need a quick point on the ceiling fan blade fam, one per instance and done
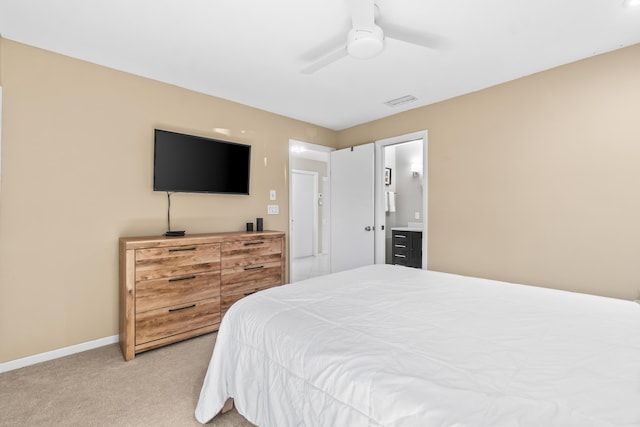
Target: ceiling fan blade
(328, 46)
(410, 36)
(362, 13)
(324, 61)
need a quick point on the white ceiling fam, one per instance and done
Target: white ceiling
(252, 51)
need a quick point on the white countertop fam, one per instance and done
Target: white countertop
(406, 229)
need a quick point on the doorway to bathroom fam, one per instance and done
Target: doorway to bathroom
(402, 197)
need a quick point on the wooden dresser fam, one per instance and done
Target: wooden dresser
(173, 288)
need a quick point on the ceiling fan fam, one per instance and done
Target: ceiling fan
(366, 39)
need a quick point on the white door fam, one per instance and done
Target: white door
(352, 208)
(303, 217)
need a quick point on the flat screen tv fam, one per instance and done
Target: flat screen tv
(193, 164)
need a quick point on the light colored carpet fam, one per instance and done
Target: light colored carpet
(98, 388)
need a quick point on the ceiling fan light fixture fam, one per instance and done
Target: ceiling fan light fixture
(365, 43)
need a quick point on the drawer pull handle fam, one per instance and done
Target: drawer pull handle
(246, 294)
(253, 243)
(182, 249)
(177, 279)
(399, 256)
(399, 236)
(171, 310)
(400, 246)
(255, 267)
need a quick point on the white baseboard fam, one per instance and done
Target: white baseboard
(55, 354)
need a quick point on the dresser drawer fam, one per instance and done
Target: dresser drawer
(161, 323)
(239, 282)
(155, 263)
(152, 294)
(229, 298)
(241, 276)
(400, 239)
(243, 253)
(400, 259)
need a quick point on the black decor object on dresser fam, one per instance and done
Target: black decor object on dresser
(407, 247)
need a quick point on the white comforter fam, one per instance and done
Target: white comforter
(393, 346)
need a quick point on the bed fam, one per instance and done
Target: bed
(387, 345)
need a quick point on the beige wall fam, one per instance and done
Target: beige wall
(537, 180)
(77, 149)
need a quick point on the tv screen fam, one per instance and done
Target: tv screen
(192, 164)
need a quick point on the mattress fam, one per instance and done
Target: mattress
(387, 345)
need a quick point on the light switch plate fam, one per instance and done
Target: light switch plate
(273, 209)
(272, 194)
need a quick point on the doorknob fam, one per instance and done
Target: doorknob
(367, 228)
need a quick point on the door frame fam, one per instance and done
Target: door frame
(379, 214)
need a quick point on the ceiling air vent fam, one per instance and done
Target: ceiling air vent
(402, 100)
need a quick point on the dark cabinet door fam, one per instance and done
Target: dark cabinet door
(415, 252)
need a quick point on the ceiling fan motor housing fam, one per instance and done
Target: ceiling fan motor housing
(365, 43)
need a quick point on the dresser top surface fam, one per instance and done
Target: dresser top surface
(136, 242)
